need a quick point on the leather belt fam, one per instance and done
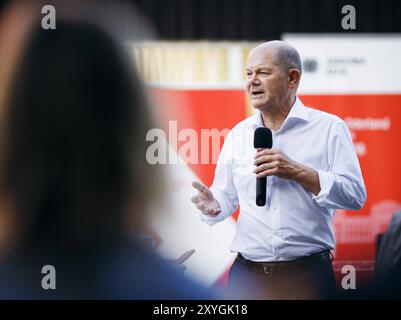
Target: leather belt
(286, 266)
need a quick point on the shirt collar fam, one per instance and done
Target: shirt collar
(298, 112)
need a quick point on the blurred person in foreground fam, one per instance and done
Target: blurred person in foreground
(74, 180)
(283, 248)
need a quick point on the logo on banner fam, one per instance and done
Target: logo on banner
(310, 65)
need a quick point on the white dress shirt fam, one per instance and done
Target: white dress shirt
(294, 222)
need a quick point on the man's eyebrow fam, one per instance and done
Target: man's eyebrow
(258, 68)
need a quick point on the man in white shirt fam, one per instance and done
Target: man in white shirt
(312, 170)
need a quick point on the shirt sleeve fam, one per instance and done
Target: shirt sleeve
(223, 188)
(342, 186)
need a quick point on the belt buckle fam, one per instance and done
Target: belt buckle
(267, 269)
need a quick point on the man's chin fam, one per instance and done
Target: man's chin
(259, 106)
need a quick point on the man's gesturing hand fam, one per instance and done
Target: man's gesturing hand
(205, 201)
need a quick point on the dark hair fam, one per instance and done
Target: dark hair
(73, 153)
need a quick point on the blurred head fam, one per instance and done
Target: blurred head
(273, 74)
(73, 170)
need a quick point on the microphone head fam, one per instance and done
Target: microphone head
(263, 138)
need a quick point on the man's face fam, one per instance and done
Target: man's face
(267, 82)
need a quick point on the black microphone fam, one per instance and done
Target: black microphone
(262, 139)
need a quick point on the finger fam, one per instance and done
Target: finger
(202, 189)
(264, 167)
(266, 152)
(266, 173)
(263, 159)
(198, 186)
(213, 212)
(195, 199)
(201, 206)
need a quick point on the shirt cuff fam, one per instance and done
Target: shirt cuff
(326, 180)
(209, 220)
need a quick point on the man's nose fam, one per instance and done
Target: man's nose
(254, 79)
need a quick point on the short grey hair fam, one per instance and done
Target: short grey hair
(288, 58)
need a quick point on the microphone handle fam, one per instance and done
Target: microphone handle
(261, 191)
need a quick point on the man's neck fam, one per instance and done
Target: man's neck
(274, 119)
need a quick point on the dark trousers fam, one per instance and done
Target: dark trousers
(306, 278)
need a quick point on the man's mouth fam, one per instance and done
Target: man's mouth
(257, 94)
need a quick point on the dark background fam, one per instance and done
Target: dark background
(260, 19)
(264, 19)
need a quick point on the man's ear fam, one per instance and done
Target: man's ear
(293, 78)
